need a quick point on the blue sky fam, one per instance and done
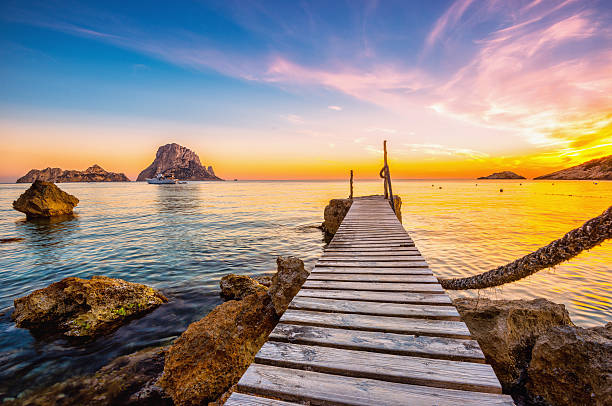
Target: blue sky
(523, 83)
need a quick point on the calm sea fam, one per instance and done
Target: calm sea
(183, 238)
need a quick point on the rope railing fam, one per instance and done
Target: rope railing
(585, 237)
(384, 173)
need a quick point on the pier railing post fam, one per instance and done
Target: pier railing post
(384, 173)
(351, 195)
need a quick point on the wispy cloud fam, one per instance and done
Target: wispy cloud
(336, 108)
(437, 149)
(294, 118)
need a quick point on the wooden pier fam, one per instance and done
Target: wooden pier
(370, 326)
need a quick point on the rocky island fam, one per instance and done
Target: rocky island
(595, 169)
(180, 162)
(503, 175)
(94, 173)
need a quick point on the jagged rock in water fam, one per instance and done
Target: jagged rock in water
(287, 281)
(334, 214)
(507, 330)
(84, 308)
(503, 175)
(94, 173)
(236, 287)
(129, 380)
(44, 199)
(213, 353)
(594, 169)
(572, 366)
(180, 162)
(265, 280)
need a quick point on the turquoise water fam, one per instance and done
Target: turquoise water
(183, 238)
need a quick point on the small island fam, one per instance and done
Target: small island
(595, 169)
(180, 162)
(94, 173)
(503, 175)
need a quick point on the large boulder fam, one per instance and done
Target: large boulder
(507, 330)
(239, 286)
(213, 353)
(44, 199)
(287, 281)
(84, 308)
(130, 380)
(334, 214)
(397, 206)
(572, 366)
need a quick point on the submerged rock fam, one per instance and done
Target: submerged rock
(238, 286)
(44, 199)
(287, 281)
(130, 380)
(334, 214)
(213, 353)
(84, 308)
(507, 330)
(572, 366)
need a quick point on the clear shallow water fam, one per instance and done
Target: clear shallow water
(183, 238)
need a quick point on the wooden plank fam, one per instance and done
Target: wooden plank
(355, 270)
(375, 308)
(372, 250)
(374, 264)
(374, 296)
(387, 324)
(325, 389)
(241, 399)
(387, 343)
(375, 286)
(361, 277)
(341, 245)
(377, 258)
(386, 367)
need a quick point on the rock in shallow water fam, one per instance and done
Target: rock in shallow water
(572, 366)
(44, 199)
(130, 380)
(236, 287)
(214, 352)
(286, 282)
(334, 214)
(507, 330)
(84, 308)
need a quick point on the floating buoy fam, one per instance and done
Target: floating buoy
(501, 190)
(440, 187)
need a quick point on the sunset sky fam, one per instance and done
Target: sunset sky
(290, 90)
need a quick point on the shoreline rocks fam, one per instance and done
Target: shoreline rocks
(538, 354)
(334, 214)
(233, 331)
(94, 173)
(44, 200)
(180, 162)
(129, 380)
(78, 307)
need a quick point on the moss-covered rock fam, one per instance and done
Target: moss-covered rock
(84, 308)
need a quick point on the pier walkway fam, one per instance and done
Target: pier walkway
(370, 326)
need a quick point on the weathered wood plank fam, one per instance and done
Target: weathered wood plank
(354, 270)
(361, 277)
(375, 286)
(388, 343)
(377, 296)
(374, 308)
(386, 367)
(241, 399)
(324, 389)
(387, 324)
(373, 250)
(377, 258)
(374, 264)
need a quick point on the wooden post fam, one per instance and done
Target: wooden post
(388, 179)
(385, 168)
(351, 195)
